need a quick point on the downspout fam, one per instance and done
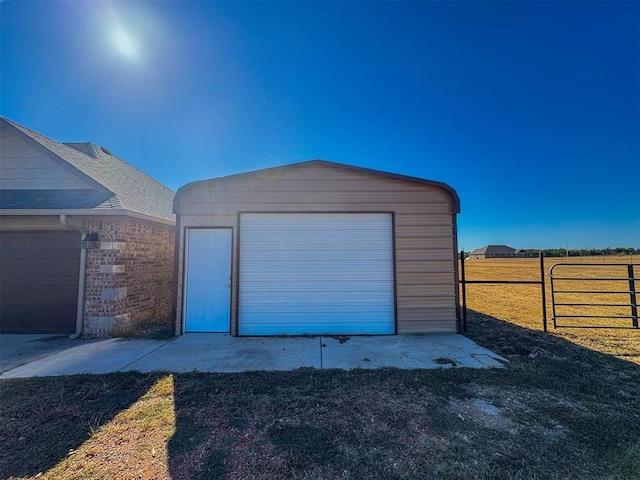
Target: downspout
(175, 328)
(81, 280)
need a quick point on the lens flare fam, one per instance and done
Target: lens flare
(125, 44)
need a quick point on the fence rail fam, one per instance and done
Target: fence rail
(464, 282)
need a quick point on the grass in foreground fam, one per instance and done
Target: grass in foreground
(557, 411)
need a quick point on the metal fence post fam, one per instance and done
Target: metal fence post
(632, 293)
(464, 292)
(543, 291)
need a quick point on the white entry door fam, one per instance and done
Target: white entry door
(208, 280)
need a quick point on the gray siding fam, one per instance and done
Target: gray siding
(24, 167)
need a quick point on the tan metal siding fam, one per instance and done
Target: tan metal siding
(425, 266)
(26, 168)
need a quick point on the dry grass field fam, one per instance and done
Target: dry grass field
(521, 304)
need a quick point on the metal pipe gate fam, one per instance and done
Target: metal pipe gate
(581, 276)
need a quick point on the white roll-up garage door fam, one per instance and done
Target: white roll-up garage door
(309, 273)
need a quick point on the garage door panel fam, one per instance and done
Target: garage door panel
(70, 255)
(15, 294)
(328, 300)
(68, 293)
(15, 241)
(42, 243)
(314, 287)
(46, 255)
(70, 268)
(45, 294)
(40, 312)
(329, 327)
(316, 274)
(14, 318)
(317, 244)
(53, 281)
(274, 241)
(302, 257)
(39, 281)
(311, 268)
(12, 309)
(12, 267)
(45, 267)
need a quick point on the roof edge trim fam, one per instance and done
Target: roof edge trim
(88, 213)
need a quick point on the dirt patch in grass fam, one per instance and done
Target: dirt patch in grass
(482, 412)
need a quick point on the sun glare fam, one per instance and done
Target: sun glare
(125, 44)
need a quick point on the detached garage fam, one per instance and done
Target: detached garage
(316, 248)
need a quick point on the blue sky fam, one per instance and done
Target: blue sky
(530, 110)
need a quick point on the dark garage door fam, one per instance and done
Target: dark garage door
(39, 281)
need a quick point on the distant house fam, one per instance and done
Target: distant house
(86, 239)
(495, 251)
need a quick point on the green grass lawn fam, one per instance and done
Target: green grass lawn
(558, 410)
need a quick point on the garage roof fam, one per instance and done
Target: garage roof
(118, 185)
(327, 164)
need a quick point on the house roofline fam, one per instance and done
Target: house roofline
(353, 168)
(86, 213)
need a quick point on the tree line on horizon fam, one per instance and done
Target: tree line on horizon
(580, 252)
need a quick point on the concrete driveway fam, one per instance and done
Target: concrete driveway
(19, 349)
(224, 353)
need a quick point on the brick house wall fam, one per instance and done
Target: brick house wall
(129, 278)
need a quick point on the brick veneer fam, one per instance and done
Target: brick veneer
(130, 277)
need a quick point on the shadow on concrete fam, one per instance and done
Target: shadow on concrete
(20, 349)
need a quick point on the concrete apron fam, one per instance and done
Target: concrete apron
(204, 352)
